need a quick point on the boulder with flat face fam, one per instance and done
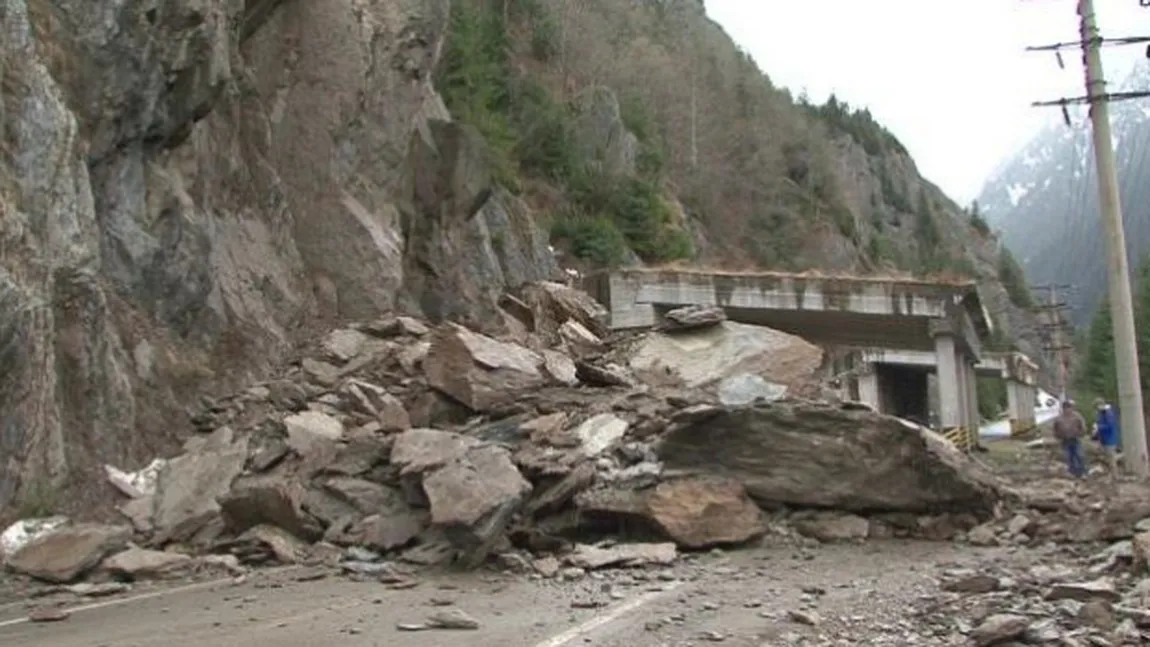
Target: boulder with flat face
(824, 456)
(68, 552)
(480, 372)
(551, 305)
(693, 511)
(472, 488)
(704, 357)
(140, 563)
(274, 500)
(184, 507)
(700, 512)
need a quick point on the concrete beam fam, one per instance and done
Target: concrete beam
(829, 311)
(1009, 366)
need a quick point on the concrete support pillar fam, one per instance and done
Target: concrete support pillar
(963, 396)
(1026, 403)
(950, 383)
(1014, 402)
(972, 418)
(869, 389)
(1021, 398)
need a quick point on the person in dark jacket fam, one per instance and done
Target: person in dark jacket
(1069, 428)
(1106, 432)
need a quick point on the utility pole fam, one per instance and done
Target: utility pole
(1055, 325)
(1121, 301)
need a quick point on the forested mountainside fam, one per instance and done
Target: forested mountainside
(190, 188)
(1045, 200)
(640, 132)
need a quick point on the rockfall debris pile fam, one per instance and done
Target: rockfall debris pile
(395, 442)
(1068, 594)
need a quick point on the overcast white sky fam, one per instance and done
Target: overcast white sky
(950, 78)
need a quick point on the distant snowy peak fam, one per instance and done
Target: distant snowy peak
(1065, 151)
(1056, 151)
(1043, 198)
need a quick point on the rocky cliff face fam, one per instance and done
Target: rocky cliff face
(185, 185)
(189, 187)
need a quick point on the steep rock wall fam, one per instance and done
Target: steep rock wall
(187, 186)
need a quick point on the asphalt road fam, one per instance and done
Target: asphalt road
(744, 598)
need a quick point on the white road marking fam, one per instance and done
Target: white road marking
(610, 615)
(144, 596)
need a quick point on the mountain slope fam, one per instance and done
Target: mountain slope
(189, 189)
(756, 176)
(1045, 200)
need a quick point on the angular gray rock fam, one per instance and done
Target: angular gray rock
(185, 505)
(598, 433)
(693, 511)
(472, 488)
(820, 455)
(704, 357)
(478, 371)
(693, 317)
(66, 553)
(637, 554)
(998, 629)
(387, 522)
(552, 305)
(307, 428)
(746, 388)
(831, 526)
(268, 500)
(140, 562)
(700, 512)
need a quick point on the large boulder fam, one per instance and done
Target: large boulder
(68, 552)
(478, 371)
(551, 305)
(185, 506)
(694, 511)
(273, 500)
(700, 512)
(703, 357)
(472, 488)
(819, 455)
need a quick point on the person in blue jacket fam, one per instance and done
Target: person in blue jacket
(1106, 431)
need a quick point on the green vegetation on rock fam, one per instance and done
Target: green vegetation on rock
(859, 124)
(1014, 280)
(532, 135)
(702, 143)
(977, 220)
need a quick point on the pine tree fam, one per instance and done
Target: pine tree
(1142, 327)
(1099, 372)
(1099, 377)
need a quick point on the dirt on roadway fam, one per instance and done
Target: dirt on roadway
(817, 594)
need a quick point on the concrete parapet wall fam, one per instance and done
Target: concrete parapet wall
(779, 292)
